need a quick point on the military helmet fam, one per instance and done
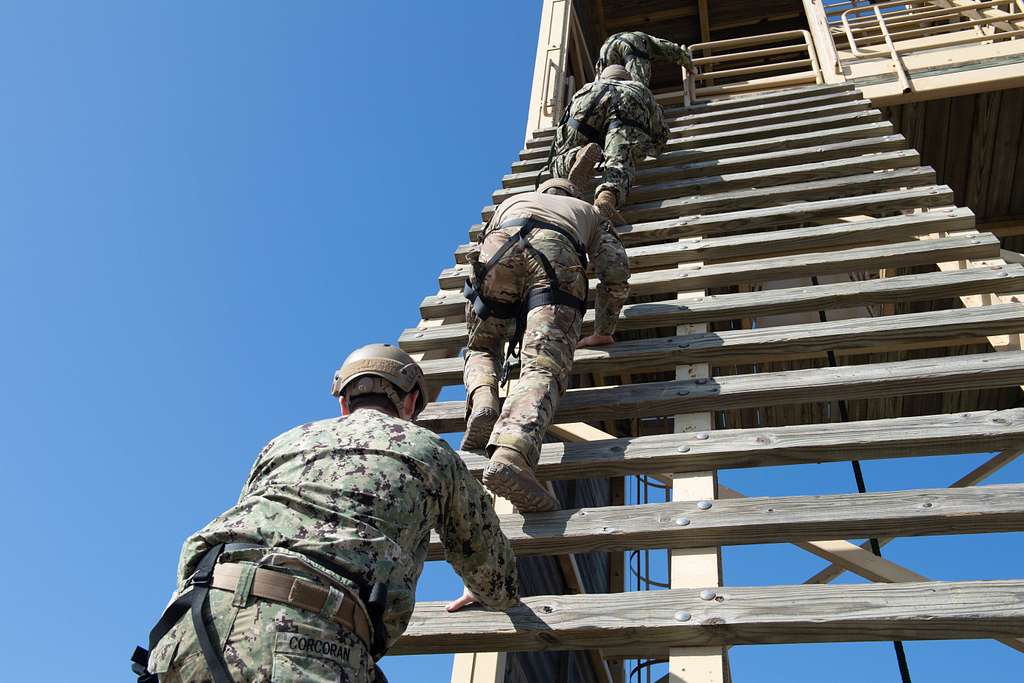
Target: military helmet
(560, 184)
(379, 369)
(615, 72)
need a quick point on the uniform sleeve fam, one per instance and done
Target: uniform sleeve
(666, 50)
(473, 541)
(611, 265)
(659, 130)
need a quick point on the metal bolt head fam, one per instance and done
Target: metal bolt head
(418, 335)
(682, 521)
(683, 449)
(682, 393)
(703, 504)
(702, 436)
(682, 616)
(707, 594)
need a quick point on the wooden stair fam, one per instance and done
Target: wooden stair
(799, 203)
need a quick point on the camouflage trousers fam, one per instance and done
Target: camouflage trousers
(263, 641)
(549, 339)
(624, 148)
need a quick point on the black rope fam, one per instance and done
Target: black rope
(858, 475)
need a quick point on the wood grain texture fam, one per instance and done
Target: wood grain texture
(744, 521)
(646, 622)
(959, 373)
(850, 336)
(999, 279)
(943, 434)
(917, 252)
(766, 177)
(752, 162)
(930, 196)
(898, 228)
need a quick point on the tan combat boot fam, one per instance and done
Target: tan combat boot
(582, 173)
(509, 476)
(607, 203)
(480, 422)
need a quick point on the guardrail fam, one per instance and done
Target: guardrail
(731, 66)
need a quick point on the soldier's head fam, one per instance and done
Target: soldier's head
(381, 377)
(615, 72)
(559, 186)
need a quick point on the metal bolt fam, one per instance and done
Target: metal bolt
(702, 436)
(926, 505)
(418, 335)
(1004, 275)
(683, 449)
(682, 616)
(702, 380)
(707, 594)
(682, 521)
(682, 393)
(703, 504)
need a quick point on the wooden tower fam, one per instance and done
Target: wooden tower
(818, 276)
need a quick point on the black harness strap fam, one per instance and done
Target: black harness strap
(193, 600)
(553, 294)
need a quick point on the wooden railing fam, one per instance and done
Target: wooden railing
(773, 60)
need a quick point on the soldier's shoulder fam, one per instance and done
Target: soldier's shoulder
(406, 435)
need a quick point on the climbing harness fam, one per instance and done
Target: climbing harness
(553, 294)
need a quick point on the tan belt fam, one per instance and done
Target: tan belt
(291, 590)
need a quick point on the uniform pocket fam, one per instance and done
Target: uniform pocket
(318, 658)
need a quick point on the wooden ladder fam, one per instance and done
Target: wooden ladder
(775, 229)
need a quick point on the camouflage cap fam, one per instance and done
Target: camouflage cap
(560, 184)
(615, 72)
(380, 368)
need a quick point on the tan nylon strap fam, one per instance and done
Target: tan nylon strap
(297, 592)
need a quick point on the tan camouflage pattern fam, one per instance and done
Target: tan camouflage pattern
(262, 642)
(552, 332)
(625, 146)
(620, 48)
(364, 492)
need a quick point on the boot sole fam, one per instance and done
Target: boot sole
(527, 496)
(592, 154)
(478, 429)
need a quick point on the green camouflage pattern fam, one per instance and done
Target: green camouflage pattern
(627, 49)
(364, 492)
(262, 642)
(551, 333)
(598, 103)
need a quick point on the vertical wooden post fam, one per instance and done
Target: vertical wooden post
(697, 568)
(549, 67)
(824, 46)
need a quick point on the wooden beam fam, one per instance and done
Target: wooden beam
(705, 21)
(853, 131)
(918, 252)
(748, 220)
(748, 521)
(902, 437)
(851, 336)
(675, 397)
(637, 21)
(921, 287)
(899, 228)
(769, 614)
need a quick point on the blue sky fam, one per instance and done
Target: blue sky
(204, 208)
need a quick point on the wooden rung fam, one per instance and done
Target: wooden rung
(770, 195)
(741, 149)
(771, 344)
(780, 175)
(750, 220)
(777, 101)
(921, 287)
(661, 399)
(651, 621)
(767, 447)
(540, 154)
(739, 164)
(917, 252)
(743, 521)
(793, 241)
(757, 118)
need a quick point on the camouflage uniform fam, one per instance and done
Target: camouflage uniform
(362, 492)
(599, 103)
(552, 332)
(636, 50)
